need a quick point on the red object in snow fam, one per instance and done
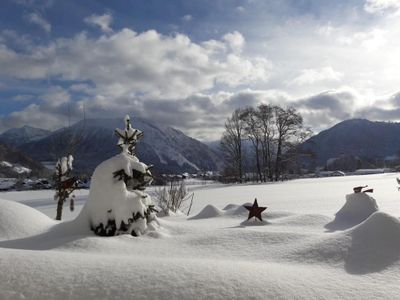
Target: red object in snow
(255, 210)
(358, 189)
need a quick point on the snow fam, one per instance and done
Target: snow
(16, 168)
(5, 164)
(21, 170)
(109, 198)
(219, 256)
(358, 207)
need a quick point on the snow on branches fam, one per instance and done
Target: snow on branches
(117, 202)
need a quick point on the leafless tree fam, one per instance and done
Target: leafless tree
(253, 130)
(231, 143)
(289, 126)
(266, 118)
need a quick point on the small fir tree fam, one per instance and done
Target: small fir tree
(117, 203)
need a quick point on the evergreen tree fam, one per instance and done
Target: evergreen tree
(117, 203)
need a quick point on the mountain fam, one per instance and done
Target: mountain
(14, 163)
(17, 136)
(168, 149)
(363, 139)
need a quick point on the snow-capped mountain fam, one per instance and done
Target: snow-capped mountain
(366, 141)
(168, 149)
(17, 136)
(14, 163)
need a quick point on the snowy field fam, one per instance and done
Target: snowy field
(212, 254)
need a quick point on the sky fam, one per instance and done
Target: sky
(190, 63)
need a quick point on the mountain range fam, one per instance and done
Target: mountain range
(93, 140)
(355, 143)
(370, 142)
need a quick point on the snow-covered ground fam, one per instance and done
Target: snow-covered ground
(213, 253)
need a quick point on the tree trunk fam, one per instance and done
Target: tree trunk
(60, 204)
(240, 163)
(258, 164)
(278, 160)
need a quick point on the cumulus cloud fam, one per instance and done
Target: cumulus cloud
(310, 76)
(235, 41)
(147, 63)
(102, 21)
(327, 108)
(381, 6)
(37, 19)
(140, 72)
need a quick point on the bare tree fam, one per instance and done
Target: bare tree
(253, 129)
(289, 125)
(266, 118)
(231, 143)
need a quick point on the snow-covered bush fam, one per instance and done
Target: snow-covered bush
(117, 203)
(173, 197)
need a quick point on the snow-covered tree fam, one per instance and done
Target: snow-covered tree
(117, 203)
(65, 184)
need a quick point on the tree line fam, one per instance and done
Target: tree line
(270, 133)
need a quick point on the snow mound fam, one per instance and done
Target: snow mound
(375, 244)
(379, 224)
(358, 207)
(18, 220)
(235, 210)
(231, 206)
(372, 246)
(210, 211)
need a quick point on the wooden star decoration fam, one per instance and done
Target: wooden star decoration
(255, 210)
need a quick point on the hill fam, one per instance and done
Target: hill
(17, 136)
(358, 142)
(14, 163)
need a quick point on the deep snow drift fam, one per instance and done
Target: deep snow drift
(213, 254)
(358, 207)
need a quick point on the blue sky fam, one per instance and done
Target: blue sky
(189, 64)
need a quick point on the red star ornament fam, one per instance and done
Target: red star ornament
(255, 210)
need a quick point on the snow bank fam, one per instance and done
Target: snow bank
(375, 244)
(209, 211)
(18, 220)
(358, 207)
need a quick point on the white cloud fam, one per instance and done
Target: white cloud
(149, 64)
(36, 18)
(381, 6)
(126, 71)
(102, 21)
(310, 76)
(235, 41)
(56, 96)
(187, 18)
